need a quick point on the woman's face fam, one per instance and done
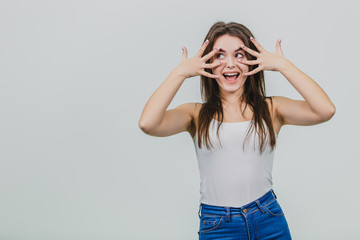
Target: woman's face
(231, 71)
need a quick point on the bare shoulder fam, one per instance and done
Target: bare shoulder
(193, 110)
(277, 101)
(190, 108)
(272, 102)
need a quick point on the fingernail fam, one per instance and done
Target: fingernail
(246, 74)
(242, 46)
(240, 60)
(207, 40)
(217, 49)
(251, 38)
(182, 48)
(279, 40)
(220, 62)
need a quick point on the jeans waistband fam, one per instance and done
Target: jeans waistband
(226, 211)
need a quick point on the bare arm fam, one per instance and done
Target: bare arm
(154, 110)
(316, 108)
(155, 120)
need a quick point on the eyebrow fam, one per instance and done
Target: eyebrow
(237, 50)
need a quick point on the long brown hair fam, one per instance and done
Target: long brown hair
(253, 94)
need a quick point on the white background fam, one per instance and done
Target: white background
(75, 76)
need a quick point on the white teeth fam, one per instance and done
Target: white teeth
(230, 74)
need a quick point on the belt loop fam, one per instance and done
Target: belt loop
(200, 207)
(260, 207)
(274, 194)
(227, 216)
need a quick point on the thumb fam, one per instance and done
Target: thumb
(184, 53)
(278, 47)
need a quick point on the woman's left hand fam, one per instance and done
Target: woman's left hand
(266, 60)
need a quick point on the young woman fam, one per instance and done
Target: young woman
(235, 130)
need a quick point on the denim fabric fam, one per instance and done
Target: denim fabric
(261, 219)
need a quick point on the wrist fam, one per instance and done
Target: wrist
(180, 73)
(285, 65)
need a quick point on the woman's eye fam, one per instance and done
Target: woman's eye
(218, 55)
(239, 54)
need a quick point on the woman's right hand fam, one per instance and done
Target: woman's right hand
(196, 65)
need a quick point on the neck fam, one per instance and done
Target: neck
(231, 99)
(231, 102)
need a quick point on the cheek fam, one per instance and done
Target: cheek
(218, 68)
(246, 68)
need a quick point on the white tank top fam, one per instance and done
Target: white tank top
(231, 176)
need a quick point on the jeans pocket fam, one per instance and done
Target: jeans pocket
(274, 208)
(209, 222)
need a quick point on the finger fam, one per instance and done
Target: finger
(249, 50)
(256, 70)
(212, 65)
(184, 53)
(257, 45)
(210, 54)
(278, 47)
(202, 49)
(209, 75)
(248, 62)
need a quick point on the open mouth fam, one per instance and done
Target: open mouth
(231, 77)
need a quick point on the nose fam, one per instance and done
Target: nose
(230, 63)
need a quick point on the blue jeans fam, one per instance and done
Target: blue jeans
(261, 219)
